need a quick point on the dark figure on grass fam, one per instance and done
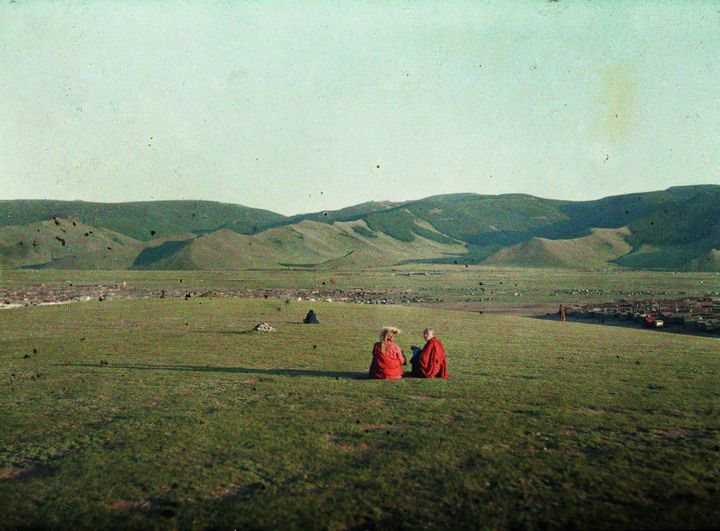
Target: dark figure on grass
(431, 360)
(387, 359)
(561, 313)
(311, 318)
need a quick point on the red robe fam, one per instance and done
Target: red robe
(388, 364)
(432, 361)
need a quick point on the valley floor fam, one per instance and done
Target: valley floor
(471, 287)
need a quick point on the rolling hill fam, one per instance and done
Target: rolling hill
(596, 250)
(143, 220)
(304, 244)
(65, 243)
(710, 261)
(678, 228)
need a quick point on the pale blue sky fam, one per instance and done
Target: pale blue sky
(292, 106)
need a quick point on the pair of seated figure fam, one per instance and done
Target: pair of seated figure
(388, 359)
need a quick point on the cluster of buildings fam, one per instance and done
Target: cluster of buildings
(696, 314)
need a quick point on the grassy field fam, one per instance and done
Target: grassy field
(450, 283)
(168, 413)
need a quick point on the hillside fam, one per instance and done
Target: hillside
(142, 220)
(305, 244)
(709, 262)
(675, 229)
(65, 244)
(346, 214)
(678, 232)
(593, 251)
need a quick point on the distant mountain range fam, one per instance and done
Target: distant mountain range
(674, 229)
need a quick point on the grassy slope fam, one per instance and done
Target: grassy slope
(708, 262)
(481, 220)
(382, 250)
(138, 219)
(350, 213)
(305, 243)
(668, 228)
(595, 250)
(86, 247)
(676, 234)
(194, 424)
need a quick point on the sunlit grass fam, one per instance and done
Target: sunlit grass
(169, 413)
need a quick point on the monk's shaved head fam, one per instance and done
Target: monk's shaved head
(429, 333)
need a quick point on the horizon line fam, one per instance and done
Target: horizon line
(363, 202)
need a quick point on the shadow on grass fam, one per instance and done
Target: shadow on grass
(634, 325)
(237, 370)
(230, 332)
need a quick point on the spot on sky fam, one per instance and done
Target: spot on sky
(617, 101)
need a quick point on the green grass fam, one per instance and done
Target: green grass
(193, 423)
(364, 231)
(455, 283)
(668, 230)
(137, 219)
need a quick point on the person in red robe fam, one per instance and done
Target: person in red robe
(431, 361)
(387, 359)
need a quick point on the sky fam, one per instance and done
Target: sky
(308, 106)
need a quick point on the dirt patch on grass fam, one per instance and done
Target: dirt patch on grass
(673, 435)
(127, 505)
(677, 433)
(239, 492)
(372, 427)
(356, 447)
(15, 472)
(383, 427)
(350, 443)
(154, 507)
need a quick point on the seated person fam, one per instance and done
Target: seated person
(387, 359)
(311, 318)
(431, 361)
